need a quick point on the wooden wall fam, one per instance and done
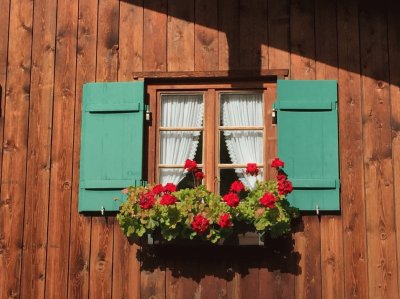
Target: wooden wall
(49, 48)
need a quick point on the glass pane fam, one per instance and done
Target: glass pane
(177, 146)
(241, 147)
(226, 178)
(177, 176)
(181, 110)
(241, 109)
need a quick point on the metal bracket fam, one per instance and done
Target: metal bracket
(102, 210)
(317, 209)
(148, 116)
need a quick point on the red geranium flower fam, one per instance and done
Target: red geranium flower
(281, 177)
(268, 200)
(225, 220)
(167, 199)
(146, 201)
(236, 186)
(285, 187)
(252, 169)
(200, 224)
(157, 189)
(199, 175)
(276, 163)
(169, 188)
(190, 165)
(231, 199)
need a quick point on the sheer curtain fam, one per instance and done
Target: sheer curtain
(177, 146)
(244, 146)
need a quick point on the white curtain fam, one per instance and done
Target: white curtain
(177, 146)
(244, 146)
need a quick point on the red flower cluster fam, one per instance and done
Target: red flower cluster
(191, 166)
(277, 163)
(158, 189)
(167, 199)
(147, 200)
(225, 220)
(231, 199)
(284, 185)
(268, 200)
(252, 169)
(169, 188)
(236, 186)
(200, 224)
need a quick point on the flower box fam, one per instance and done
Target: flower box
(243, 216)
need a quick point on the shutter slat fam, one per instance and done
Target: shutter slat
(308, 141)
(111, 143)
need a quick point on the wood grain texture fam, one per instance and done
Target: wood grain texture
(206, 35)
(307, 239)
(351, 152)
(331, 226)
(394, 71)
(155, 26)
(102, 234)
(180, 33)
(228, 39)
(380, 214)
(80, 228)
(39, 148)
(17, 95)
(130, 60)
(253, 43)
(278, 34)
(62, 150)
(130, 40)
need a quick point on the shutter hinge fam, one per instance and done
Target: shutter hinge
(148, 116)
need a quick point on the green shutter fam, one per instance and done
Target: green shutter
(111, 143)
(308, 142)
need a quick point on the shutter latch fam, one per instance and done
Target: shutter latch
(317, 210)
(148, 115)
(102, 210)
(274, 116)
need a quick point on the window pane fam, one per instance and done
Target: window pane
(241, 147)
(241, 109)
(227, 177)
(186, 181)
(180, 111)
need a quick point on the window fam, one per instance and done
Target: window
(222, 125)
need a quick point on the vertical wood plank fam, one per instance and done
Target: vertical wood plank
(332, 268)
(307, 240)
(278, 34)
(180, 43)
(80, 237)
(102, 238)
(228, 37)
(62, 151)
(130, 39)
(39, 148)
(17, 94)
(206, 35)
(155, 36)
(351, 152)
(253, 34)
(4, 23)
(126, 274)
(380, 216)
(152, 271)
(394, 70)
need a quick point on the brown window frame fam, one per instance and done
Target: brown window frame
(211, 89)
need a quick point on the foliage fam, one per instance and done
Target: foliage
(199, 213)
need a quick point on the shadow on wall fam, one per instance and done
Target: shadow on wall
(196, 261)
(291, 28)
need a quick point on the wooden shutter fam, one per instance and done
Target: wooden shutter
(308, 141)
(111, 143)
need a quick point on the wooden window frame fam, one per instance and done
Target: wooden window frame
(211, 128)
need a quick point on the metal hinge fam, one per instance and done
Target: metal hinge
(274, 115)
